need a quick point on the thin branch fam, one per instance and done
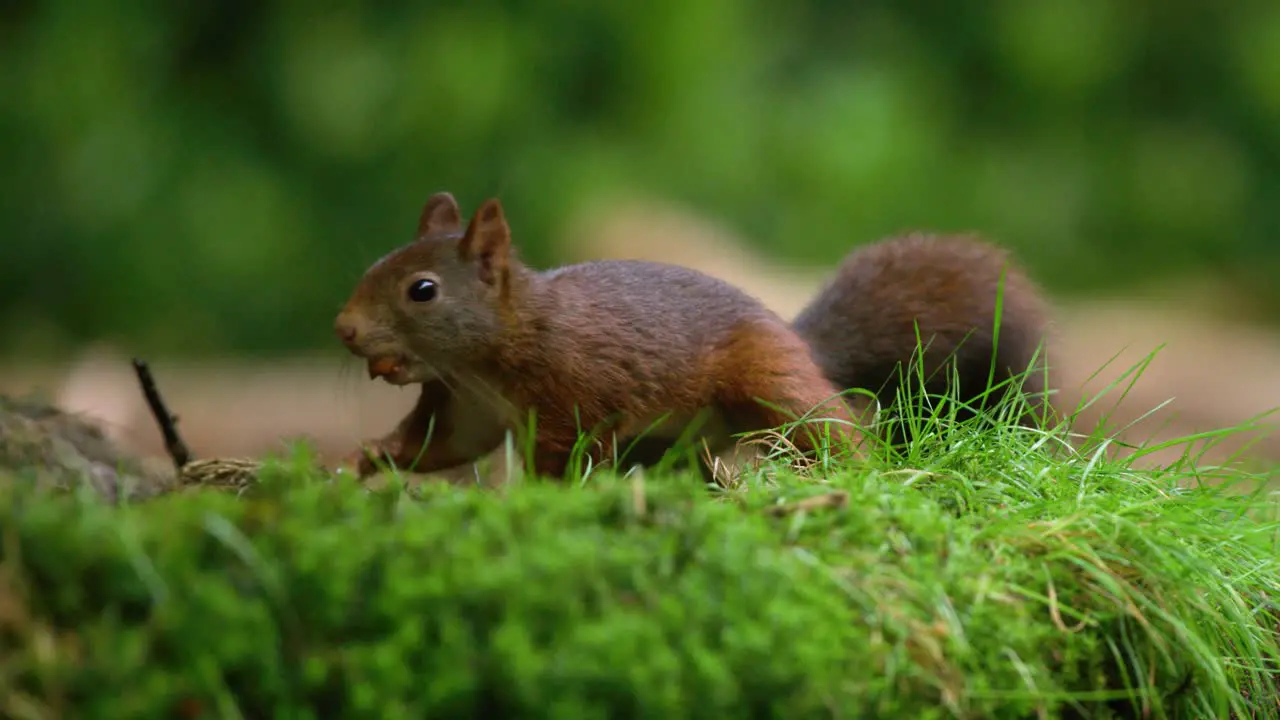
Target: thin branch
(167, 421)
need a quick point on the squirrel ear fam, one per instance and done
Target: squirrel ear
(488, 242)
(439, 215)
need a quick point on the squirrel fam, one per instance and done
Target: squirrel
(627, 349)
(927, 304)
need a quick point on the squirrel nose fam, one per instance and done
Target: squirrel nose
(346, 329)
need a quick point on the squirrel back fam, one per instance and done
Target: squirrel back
(651, 323)
(888, 299)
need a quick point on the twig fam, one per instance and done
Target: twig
(833, 500)
(167, 421)
(637, 491)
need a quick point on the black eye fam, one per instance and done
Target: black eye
(422, 290)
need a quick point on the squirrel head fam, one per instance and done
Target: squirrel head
(436, 303)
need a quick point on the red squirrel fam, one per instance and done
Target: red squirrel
(620, 348)
(890, 298)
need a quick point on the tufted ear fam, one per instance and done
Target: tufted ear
(487, 243)
(440, 215)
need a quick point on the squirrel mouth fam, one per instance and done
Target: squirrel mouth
(386, 367)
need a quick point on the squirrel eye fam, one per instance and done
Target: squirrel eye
(422, 290)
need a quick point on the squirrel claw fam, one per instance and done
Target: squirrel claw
(360, 462)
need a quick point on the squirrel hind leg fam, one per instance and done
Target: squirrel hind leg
(771, 381)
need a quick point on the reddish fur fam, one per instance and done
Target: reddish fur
(770, 362)
(605, 347)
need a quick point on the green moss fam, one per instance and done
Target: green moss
(989, 579)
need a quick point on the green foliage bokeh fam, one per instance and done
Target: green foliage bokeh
(213, 177)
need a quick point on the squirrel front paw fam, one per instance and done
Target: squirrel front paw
(367, 459)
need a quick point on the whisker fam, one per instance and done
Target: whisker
(443, 378)
(482, 388)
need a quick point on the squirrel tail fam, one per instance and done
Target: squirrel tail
(951, 311)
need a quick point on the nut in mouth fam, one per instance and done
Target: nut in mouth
(387, 367)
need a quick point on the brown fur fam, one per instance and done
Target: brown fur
(863, 325)
(613, 348)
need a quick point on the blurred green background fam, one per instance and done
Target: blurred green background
(213, 177)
